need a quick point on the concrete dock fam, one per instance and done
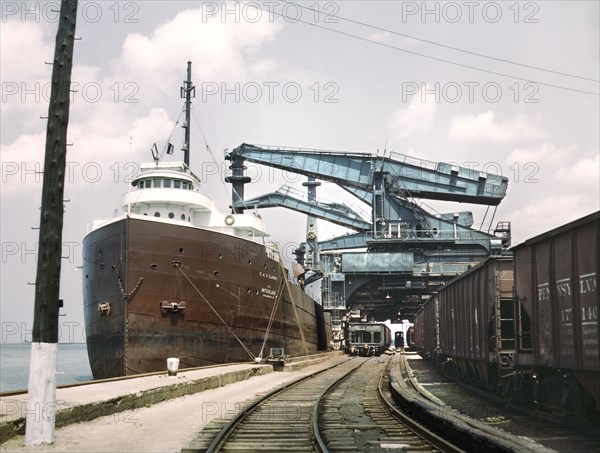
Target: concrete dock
(148, 413)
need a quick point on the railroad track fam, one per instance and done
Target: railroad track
(347, 407)
(554, 432)
(423, 401)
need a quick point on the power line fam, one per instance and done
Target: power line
(450, 47)
(350, 35)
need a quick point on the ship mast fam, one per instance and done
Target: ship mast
(188, 91)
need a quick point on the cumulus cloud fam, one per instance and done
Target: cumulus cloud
(546, 152)
(221, 50)
(585, 171)
(542, 214)
(567, 166)
(485, 128)
(24, 47)
(417, 118)
(116, 110)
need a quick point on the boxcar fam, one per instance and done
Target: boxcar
(368, 339)
(556, 283)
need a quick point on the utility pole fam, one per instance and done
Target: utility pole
(41, 404)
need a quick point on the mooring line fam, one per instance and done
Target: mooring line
(289, 290)
(275, 305)
(177, 264)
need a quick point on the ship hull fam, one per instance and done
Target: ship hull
(154, 290)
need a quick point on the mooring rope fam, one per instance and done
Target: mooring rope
(177, 265)
(275, 305)
(289, 290)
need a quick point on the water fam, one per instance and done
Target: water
(72, 365)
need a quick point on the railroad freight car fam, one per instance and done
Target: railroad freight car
(368, 339)
(410, 342)
(556, 277)
(469, 325)
(426, 329)
(525, 325)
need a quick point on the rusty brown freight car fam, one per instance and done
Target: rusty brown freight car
(556, 283)
(426, 329)
(477, 322)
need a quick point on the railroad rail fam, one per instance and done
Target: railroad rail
(346, 407)
(410, 395)
(577, 429)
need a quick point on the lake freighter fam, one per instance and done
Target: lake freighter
(174, 277)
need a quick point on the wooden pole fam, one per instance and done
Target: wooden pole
(41, 405)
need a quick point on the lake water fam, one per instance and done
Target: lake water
(72, 365)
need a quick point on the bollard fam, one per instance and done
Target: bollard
(172, 366)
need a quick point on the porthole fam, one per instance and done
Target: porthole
(154, 266)
(250, 262)
(248, 290)
(171, 215)
(180, 249)
(157, 214)
(216, 273)
(101, 265)
(220, 256)
(182, 216)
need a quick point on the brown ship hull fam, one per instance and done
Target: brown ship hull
(148, 291)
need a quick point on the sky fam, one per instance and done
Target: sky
(506, 87)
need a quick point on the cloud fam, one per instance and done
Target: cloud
(418, 117)
(567, 166)
(584, 172)
(546, 152)
(485, 128)
(543, 214)
(116, 104)
(95, 157)
(24, 47)
(220, 50)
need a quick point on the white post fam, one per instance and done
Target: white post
(41, 402)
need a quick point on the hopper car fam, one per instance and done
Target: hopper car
(525, 324)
